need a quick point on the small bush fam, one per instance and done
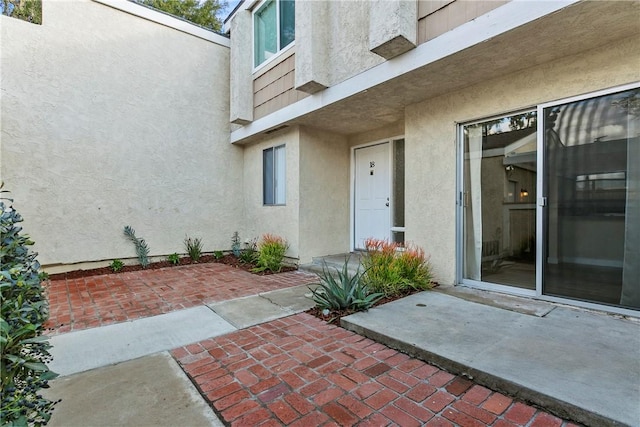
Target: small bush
(142, 249)
(395, 272)
(249, 255)
(343, 291)
(174, 258)
(193, 247)
(218, 254)
(116, 265)
(271, 252)
(235, 244)
(25, 351)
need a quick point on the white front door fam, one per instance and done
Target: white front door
(372, 193)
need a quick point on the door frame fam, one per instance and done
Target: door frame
(352, 185)
(460, 202)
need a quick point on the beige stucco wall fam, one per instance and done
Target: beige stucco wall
(324, 194)
(386, 132)
(348, 47)
(431, 134)
(111, 120)
(316, 217)
(281, 220)
(241, 62)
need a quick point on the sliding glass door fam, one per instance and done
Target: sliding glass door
(592, 214)
(498, 201)
(549, 201)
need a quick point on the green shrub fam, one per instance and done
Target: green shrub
(116, 265)
(218, 254)
(271, 252)
(249, 255)
(174, 258)
(193, 247)
(395, 272)
(25, 351)
(343, 291)
(142, 249)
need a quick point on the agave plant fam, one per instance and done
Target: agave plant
(343, 291)
(142, 249)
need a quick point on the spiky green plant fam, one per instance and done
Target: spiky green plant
(142, 249)
(249, 255)
(271, 250)
(235, 244)
(393, 269)
(343, 290)
(193, 247)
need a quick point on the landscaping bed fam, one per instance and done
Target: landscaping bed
(228, 259)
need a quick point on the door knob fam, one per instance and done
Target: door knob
(387, 204)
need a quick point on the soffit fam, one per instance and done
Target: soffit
(574, 29)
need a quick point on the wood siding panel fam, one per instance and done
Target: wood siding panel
(274, 88)
(271, 87)
(439, 16)
(427, 7)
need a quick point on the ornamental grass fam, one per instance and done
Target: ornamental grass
(395, 269)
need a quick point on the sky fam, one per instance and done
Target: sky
(231, 4)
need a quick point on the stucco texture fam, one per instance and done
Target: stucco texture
(324, 194)
(431, 135)
(111, 120)
(282, 220)
(348, 49)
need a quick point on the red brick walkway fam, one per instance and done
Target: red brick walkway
(101, 300)
(300, 371)
(295, 371)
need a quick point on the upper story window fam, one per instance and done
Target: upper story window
(274, 28)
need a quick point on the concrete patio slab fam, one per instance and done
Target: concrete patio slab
(150, 391)
(264, 307)
(578, 364)
(508, 302)
(92, 348)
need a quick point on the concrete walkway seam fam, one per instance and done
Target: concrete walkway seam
(92, 348)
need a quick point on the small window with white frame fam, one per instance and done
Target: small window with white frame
(274, 176)
(274, 28)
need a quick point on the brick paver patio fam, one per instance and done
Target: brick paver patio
(111, 298)
(298, 370)
(301, 371)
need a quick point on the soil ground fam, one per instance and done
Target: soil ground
(228, 259)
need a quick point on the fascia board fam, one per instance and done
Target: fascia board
(167, 20)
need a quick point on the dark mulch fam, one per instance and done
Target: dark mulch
(228, 259)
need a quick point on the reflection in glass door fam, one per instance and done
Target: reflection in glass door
(499, 193)
(592, 185)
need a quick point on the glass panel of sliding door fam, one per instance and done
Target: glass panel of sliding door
(592, 184)
(499, 193)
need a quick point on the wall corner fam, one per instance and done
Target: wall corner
(241, 72)
(312, 21)
(393, 27)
